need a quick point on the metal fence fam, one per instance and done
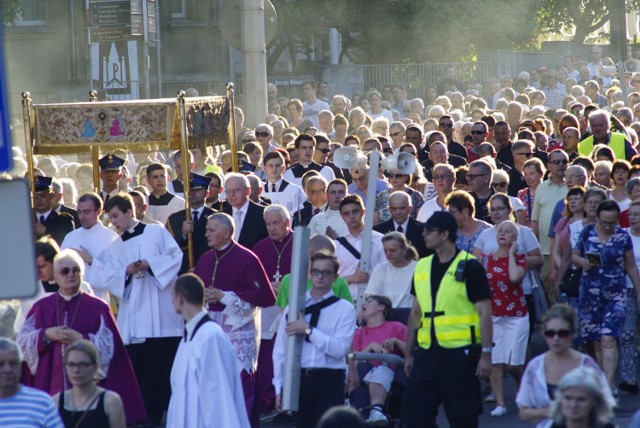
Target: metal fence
(416, 77)
(133, 90)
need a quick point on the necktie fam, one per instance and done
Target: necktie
(273, 187)
(106, 198)
(238, 224)
(316, 211)
(194, 216)
(400, 229)
(41, 219)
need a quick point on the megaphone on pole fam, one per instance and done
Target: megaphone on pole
(347, 157)
(403, 163)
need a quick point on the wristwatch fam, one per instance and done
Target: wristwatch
(308, 331)
(487, 349)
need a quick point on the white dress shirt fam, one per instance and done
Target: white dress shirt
(329, 341)
(239, 221)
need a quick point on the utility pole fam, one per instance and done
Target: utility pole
(255, 61)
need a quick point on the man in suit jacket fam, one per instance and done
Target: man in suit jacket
(48, 220)
(400, 206)
(59, 207)
(247, 215)
(316, 190)
(179, 226)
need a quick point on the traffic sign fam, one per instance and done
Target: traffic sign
(110, 12)
(109, 34)
(6, 154)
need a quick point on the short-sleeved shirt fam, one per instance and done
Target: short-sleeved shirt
(507, 298)
(547, 196)
(389, 330)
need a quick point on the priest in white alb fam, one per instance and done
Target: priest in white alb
(139, 268)
(206, 390)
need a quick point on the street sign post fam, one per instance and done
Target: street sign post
(6, 154)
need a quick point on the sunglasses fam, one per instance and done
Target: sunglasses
(446, 125)
(471, 177)
(563, 334)
(65, 271)
(559, 162)
(527, 155)
(500, 184)
(262, 134)
(324, 151)
(478, 132)
(387, 151)
(393, 175)
(395, 134)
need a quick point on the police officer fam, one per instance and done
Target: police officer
(451, 323)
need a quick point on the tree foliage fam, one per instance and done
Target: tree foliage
(583, 17)
(9, 10)
(405, 31)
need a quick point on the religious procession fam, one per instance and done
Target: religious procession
(461, 251)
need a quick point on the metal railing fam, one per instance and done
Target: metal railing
(416, 77)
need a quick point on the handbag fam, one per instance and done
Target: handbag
(537, 293)
(570, 283)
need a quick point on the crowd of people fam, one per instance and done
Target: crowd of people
(522, 195)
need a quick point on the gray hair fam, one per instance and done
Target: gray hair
(68, 254)
(602, 114)
(589, 379)
(402, 195)
(500, 173)
(255, 180)
(321, 242)
(276, 208)
(242, 177)
(398, 124)
(6, 343)
(631, 184)
(326, 113)
(265, 125)
(483, 164)
(446, 166)
(225, 220)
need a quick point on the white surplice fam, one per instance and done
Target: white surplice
(206, 390)
(146, 309)
(94, 240)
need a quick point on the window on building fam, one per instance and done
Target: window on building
(34, 13)
(178, 8)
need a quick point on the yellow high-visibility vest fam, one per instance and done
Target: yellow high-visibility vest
(456, 319)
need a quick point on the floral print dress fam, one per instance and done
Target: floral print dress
(601, 307)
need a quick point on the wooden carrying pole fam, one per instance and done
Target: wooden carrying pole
(186, 171)
(293, 353)
(95, 152)
(28, 139)
(232, 129)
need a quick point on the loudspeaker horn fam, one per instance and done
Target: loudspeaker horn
(346, 157)
(607, 71)
(403, 163)
(632, 65)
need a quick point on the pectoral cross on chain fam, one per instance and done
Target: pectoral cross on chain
(277, 276)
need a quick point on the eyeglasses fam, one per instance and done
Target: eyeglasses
(393, 175)
(446, 125)
(563, 334)
(471, 177)
(320, 273)
(478, 132)
(559, 162)
(527, 155)
(387, 150)
(81, 366)
(65, 271)
(324, 151)
(395, 134)
(262, 134)
(608, 223)
(505, 184)
(443, 177)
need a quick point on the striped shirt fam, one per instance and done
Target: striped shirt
(29, 408)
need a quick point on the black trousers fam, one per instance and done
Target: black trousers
(320, 389)
(152, 362)
(443, 376)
